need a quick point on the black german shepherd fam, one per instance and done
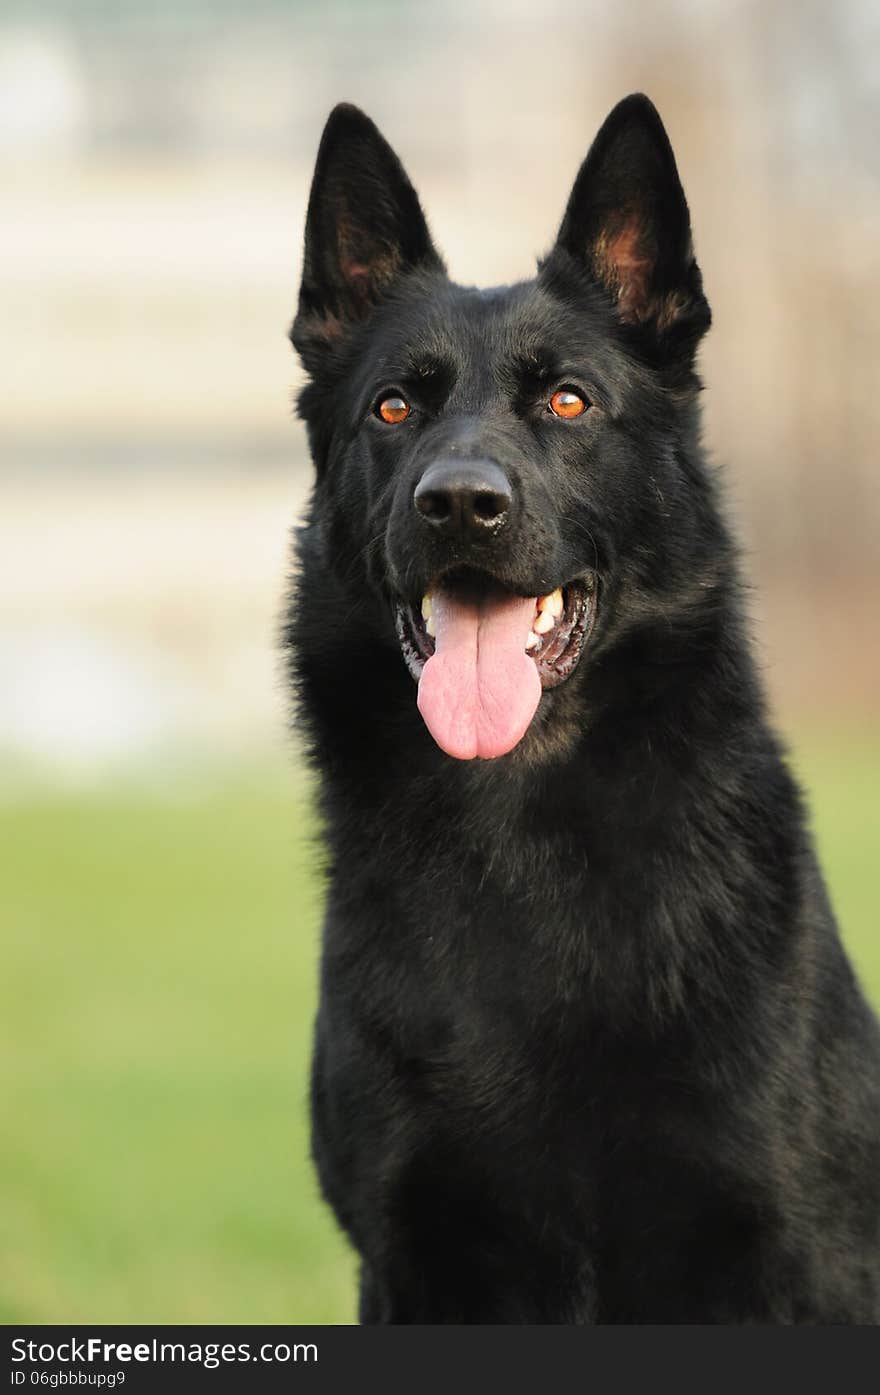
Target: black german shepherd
(589, 1049)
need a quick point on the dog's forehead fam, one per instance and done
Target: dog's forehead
(495, 321)
(479, 332)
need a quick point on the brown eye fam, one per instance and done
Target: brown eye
(567, 403)
(393, 409)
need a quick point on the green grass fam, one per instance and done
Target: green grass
(840, 775)
(157, 1000)
(157, 997)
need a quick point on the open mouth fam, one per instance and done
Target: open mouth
(482, 656)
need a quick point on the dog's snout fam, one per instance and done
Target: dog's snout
(464, 499)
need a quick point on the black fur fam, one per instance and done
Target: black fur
(589, 1049)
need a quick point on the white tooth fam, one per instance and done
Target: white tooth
(427, 606)
(544, 622)
(533, 641)
(429, 627)
(554, 603)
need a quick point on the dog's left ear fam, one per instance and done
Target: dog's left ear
(627, 220)
(364, 230)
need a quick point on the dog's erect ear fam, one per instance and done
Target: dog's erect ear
(364, 228)
(627, 219)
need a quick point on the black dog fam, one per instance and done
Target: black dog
(589, 1049)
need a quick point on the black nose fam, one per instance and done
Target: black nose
(467, 499)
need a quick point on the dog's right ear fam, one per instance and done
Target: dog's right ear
(364, 229)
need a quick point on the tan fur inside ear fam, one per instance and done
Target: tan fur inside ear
(670, 307)
(623, 263)
(367, 269)
(327, 327)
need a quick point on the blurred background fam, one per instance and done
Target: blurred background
(159, 914)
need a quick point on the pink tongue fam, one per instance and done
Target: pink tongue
(479, 690)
